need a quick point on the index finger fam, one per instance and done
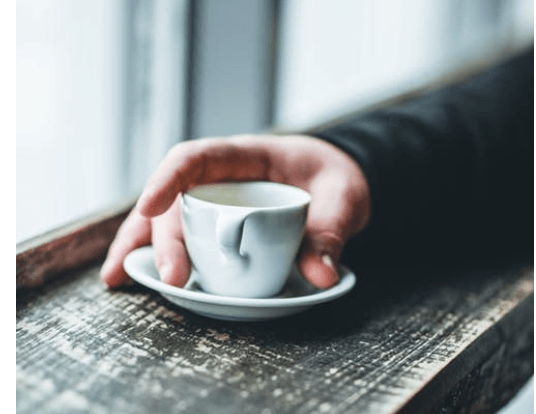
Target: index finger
(202, 161)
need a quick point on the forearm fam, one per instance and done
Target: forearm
(453, 167)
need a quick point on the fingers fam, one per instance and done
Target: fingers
(171, 259)
(164, 232)
(340, 207)
(198, 162)
(318, 259)
(134, 232)
(327, 230)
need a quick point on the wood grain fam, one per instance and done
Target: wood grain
(443, 341)
(68, 247)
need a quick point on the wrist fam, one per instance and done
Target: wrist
(355, 180)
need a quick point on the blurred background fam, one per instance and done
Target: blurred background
(106, 87)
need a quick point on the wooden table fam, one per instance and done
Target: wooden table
(405, 340)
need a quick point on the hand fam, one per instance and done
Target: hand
(340, 200)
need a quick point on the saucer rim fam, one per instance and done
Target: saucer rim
(345, 284)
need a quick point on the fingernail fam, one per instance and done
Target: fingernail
(166, 272)
(146, 194)
(328, 261)
(141, 200)
(105, 268)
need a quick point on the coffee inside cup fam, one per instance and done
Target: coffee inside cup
(251, 194)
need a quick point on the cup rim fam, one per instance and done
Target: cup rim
(305, 195)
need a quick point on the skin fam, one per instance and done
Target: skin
(340, 205)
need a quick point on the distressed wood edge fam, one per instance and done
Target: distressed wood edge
(493, 383)
(488, 373)
(68, 247)
(497, 379)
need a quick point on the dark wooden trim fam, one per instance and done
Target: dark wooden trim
(192, 36)
(274, 51)
(68, 247)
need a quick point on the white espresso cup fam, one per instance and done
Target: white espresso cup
(243, 238)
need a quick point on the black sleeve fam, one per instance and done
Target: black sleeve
(451, 174)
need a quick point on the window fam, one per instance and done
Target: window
(69, 109)
(105, 88)
(343, 54)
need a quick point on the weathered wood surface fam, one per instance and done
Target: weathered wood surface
(68, 247)
(405, 340)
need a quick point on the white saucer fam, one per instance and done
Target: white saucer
(297, 295)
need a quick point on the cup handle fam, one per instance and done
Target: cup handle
(229, 232)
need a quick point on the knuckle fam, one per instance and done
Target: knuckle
(327, 241)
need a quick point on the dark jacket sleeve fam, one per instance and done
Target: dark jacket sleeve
(452, 173)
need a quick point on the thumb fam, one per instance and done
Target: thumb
(319, 257)
(340, 207)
